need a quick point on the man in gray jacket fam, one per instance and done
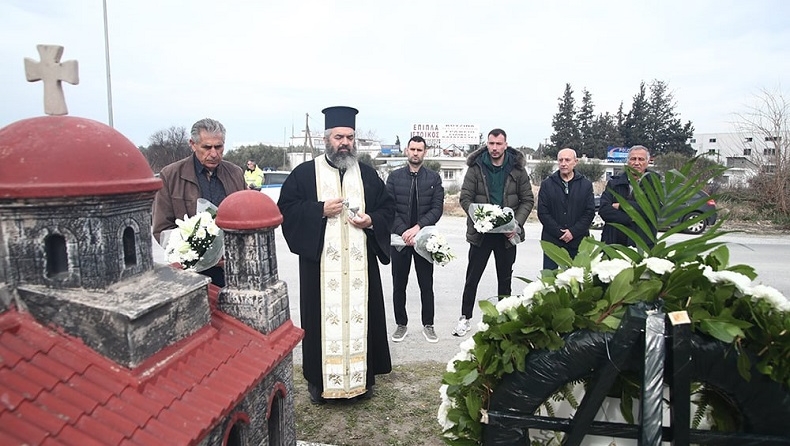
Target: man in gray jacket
(496, 175)
(419, 202)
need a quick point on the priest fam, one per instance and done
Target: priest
(337, 216)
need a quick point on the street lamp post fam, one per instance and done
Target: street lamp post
(107, 62)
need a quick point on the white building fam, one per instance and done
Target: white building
(744, 154)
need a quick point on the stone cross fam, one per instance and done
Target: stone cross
(52, 72)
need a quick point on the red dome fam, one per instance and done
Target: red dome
(248, 210)
(66, 156)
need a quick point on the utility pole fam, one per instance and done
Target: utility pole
(308, 141)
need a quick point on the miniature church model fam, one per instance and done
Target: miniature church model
(100, 345)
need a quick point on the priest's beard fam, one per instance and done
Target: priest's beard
(342, 159)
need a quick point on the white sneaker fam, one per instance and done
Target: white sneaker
(463, 327)
(399, 334)
(430, 334)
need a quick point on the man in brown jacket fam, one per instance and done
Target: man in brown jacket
(201, 175)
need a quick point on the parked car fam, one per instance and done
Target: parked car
(696, 228)
(272, 183)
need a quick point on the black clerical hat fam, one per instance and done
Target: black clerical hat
(339, 116)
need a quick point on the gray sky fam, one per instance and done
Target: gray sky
(259, 66)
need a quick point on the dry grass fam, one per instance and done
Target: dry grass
(402, 411)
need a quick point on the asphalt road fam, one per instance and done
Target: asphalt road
(768, 254)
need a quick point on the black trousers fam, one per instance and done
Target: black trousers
(217, 275)
(504, 257)
(401, 265)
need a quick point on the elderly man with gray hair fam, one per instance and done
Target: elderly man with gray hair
(610, 211)
(203, 174)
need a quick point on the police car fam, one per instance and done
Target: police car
(272, 183)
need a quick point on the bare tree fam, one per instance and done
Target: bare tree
(167, 146)
(765, 132)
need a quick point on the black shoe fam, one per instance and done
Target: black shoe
(315, 394)
(365, 396)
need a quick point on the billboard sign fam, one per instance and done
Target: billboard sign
(617, 154)
(446, 135)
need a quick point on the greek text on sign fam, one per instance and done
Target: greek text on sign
(445, 135)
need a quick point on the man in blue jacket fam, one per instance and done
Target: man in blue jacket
(419, 202)
(566, 206)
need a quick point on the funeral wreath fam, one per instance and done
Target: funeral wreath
(593, 291)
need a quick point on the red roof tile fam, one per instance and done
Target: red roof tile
(7, 438)
(75, 436)
(15, 424)
(54, 389)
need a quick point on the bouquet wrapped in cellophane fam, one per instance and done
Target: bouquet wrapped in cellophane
(491, 218)
(429, 243)
(197, 244)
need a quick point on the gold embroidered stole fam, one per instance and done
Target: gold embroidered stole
(344, 286)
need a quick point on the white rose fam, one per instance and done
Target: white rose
(658, 266)
(773, 296)
(567, 277)
(740, 281)
(606, 270)
(468, 345)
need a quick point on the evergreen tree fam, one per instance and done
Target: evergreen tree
(636, 127)
(585, 120)
(566, 129)
(669, 134)
(603, 134)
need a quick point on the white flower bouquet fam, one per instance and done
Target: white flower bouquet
(197, 243)
(491, 218)
(429, 244)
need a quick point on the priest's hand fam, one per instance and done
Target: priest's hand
(361, 220)
(333, 207)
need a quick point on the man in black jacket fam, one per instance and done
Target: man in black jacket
(419, 202)
(566, 206)
(610, 210)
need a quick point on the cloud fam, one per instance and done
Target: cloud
(260, 66)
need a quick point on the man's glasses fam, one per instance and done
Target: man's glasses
(215, 146)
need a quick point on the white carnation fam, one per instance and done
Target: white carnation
(482, 326)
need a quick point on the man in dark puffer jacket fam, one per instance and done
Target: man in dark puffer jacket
(496, 175)
(566, 206)
(419, 202)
